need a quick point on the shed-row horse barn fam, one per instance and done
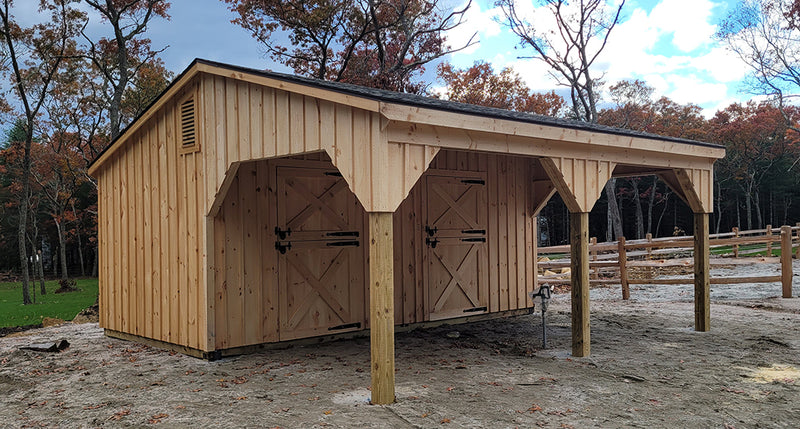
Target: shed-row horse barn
(247, 207)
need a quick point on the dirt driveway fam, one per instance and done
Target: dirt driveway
(648, 368)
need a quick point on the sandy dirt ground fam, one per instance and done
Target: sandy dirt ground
(648, 368)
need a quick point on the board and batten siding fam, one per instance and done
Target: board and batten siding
(246, 302)
(152, 240)
(245, 121)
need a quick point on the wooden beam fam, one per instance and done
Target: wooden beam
(579, 254)
(702, 283)
(381, 305)
(579, 181)
(786, 260)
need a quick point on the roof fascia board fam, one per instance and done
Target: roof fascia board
(438, 118)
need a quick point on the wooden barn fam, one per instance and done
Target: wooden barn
(247, 207)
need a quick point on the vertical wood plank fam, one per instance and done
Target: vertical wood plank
(173, 214)
(220, 130)
(702, 281)
(268, 216)
(282, 123)
(312, 134)
(164, 217)
(786, 261)
(147, 219)
(623, 268)
(220, 281)
(156, 242)
(579, 255)
(492, 236)
(256, 110)
(381, 299)
(232, 115)
(268, 121)
(297, 120)
(520, 171)
(251, 252)
(192, 250)
(502, 226)
(233, 265)
(243, 121)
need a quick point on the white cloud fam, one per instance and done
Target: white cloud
(482, 22)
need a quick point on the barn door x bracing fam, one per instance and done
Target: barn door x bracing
(455, 237)
(321, 257)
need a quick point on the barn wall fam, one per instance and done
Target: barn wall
(152, 235)
(246, 287)
(510, 235)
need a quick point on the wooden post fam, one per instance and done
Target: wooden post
(593, 253)
(786, 260)
(735, 246)
(769, 242)
(579, 256)
(702, 278)
(797, 254)
(623, 269)
(649, 238)
(381, 306)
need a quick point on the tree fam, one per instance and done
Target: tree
(756, 139)
(378, 43)
(35, 56)
(126, 56)
(581, 33)
(479, 85)
(582, 30)
(766, 36)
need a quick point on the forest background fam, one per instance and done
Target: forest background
(68, 93)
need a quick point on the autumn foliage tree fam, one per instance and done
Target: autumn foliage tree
(377, 43)
(480, 85)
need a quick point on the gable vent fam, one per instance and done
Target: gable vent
(188, 127)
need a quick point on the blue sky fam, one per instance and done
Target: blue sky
(667, 43)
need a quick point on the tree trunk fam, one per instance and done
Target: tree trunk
(759, 218)
(666, 203)
(613, 208)
(96, 265)
(718, 211)
(41, 272)
(651, 201)
(62, 250)
(748, 206)
(738, 213)
(637, 202)
(22, 225)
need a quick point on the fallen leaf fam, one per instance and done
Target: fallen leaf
(445, 421)
(424, 415)
(328, 412)
(534, 408)
(156, 418)
(119, 415)
(450, 389)
(241, 398)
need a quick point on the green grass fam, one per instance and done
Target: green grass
(60, 306)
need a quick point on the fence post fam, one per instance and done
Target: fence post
(649, 238)
(736, 246)
(623, 269)
(797, 254)
(786, 260)
(769, 241)
(593, 254)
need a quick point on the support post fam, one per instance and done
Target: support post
(381, 306)
(593, 253)
(579, 256)
(769, 241)
(786, 260)
(702, 278)
(797, 250)
(735, 246)
(623, 269)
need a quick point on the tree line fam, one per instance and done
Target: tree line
(70, 93)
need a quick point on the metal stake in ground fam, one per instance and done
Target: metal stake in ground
(544, 294)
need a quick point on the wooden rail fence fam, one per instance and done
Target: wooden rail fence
(611, 262)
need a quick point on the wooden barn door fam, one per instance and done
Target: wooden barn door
(455, 239)
(320, 253)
